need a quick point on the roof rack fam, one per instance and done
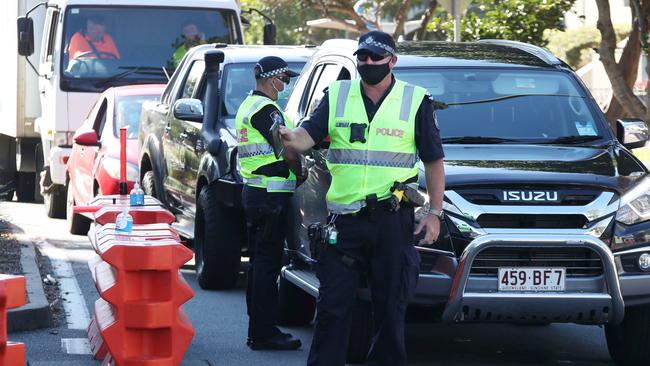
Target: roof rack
(539, 52)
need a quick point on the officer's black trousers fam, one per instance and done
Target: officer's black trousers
(384, 245)
(266, 220)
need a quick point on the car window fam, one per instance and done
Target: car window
(100, 119)
(329, 74)
(127, 114)
(513, 104)
(192, 79)
(239, 80)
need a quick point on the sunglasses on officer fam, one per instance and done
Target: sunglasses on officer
(283, 78)
(363, 56)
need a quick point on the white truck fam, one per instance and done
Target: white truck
(87, 46)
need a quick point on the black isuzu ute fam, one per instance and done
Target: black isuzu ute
(547, 210)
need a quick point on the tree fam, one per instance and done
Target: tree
(516, 20)
(622, 74)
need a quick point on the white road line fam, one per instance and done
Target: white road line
(74, 303)
(75, 346)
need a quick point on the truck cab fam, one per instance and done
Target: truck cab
(88, 46)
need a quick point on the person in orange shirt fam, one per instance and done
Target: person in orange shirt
(94, 42)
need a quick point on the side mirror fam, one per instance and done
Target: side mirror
(187, 109)
(270, 31)
(632, 132)
(25, 36)
(86, 138)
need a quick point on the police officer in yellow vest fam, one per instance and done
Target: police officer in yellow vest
(379, 126)
(269, 184)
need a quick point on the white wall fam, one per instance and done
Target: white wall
(619, 9)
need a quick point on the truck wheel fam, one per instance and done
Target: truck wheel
(55, 200)
(629, 342)
(297, 308)
(361, 332)
(38, 198)
(77, 224)
(149, 184)
(25, 190)
(217, 243)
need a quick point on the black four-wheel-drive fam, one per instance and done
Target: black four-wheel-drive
(188, 151)
(547, 210)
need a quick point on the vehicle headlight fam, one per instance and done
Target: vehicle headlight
(635, 205)
(112, 167)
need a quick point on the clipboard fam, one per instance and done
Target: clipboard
(278, 147)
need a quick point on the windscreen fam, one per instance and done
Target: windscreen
(108, 46)
(239, 80)
(127, 114)
(524, 106)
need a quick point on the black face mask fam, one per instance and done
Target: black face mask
(373, 74)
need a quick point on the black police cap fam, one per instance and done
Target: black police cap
(271, 66)
(376, 42)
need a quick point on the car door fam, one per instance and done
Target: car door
(173, 137)
(309, 200)
(192, 147)
(87, 165)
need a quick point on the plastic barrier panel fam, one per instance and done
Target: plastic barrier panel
(12, 295)
(138, 319)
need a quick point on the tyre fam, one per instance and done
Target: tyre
(629, 342)
(297, 308)
(217, 243)
(7, 195)
(77, 224)
(361, 332)
(38, 198)
(25, 186)
(149, 184)
(55, 200)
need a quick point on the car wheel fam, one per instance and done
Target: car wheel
(149, 184)
(297, 307)
(25, 190)
(55, 200)
(629, 342)
(217, 243)
(360, 333)
(77, 224)
(7, 195)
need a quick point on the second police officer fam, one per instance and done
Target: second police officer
(269, 182)
(378, 127)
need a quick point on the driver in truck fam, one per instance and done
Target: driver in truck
(93, 41)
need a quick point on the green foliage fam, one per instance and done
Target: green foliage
(518, 20)
(290, 18)
(573, 45)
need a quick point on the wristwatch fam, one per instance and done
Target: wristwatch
(432, 211)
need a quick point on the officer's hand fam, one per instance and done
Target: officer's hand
(287, 135)
(432, 225)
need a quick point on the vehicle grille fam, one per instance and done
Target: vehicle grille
(531, 221)
(493, 197)
(579, 262)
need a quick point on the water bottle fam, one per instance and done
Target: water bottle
(137, 195)
(124, 222)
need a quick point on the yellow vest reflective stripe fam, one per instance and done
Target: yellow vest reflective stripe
(389, 153)
(254, 151)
